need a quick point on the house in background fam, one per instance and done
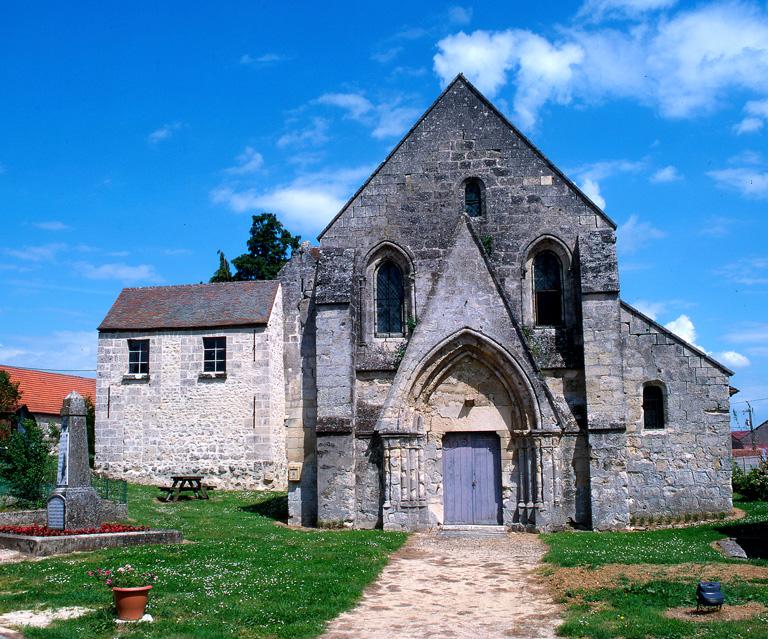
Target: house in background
(43, 393)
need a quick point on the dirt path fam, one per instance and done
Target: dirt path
(455, 587)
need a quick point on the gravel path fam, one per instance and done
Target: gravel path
(455, 587)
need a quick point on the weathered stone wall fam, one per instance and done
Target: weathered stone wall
(297, 282)
(176, 422)
(686, 466)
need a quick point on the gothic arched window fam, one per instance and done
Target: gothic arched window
(548, 289)
(653, 407)
(473, 198)
(390, 298)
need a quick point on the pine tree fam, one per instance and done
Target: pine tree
(223, 273)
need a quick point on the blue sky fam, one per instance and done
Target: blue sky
(135, 143)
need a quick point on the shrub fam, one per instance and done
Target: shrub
(26, 463)
(751, 485)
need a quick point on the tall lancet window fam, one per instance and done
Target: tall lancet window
(548, 289)
(473, 198)
(390, 298)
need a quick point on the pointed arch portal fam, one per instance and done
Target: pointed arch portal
(474, 459)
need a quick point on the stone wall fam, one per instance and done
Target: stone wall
(178, 422)
(686, 466)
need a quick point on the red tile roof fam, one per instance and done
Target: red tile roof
(750, 452)
(192, 306)
(739, 434)
(44, 392)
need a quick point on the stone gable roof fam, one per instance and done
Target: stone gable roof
(460, 79)
(192, 306)
(662, 329)
(43, 392)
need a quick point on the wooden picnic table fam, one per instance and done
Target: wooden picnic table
(184, 483)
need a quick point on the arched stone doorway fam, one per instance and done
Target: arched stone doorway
(474, 454)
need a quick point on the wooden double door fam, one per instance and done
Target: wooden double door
(472, 478)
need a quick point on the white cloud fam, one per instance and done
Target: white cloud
(757, 114)
(164, 132)
(749, 271)
(260, 60)
(717, 226)
(53, 225)
(62, 350)
(387, 119)
(309, 202)
(634, 235)
(460, 15)
(543, 69)
(118, 271)
(354, 103)
(749, 333)
(314, 135)
(596, 10)
(667, 174)
(649, 308)
(683, 327)
(748, 125)
(592, 190)
(386, 55)
(683, 65)
(733, 359)
(750, 182)
(249, 161)
(39, 253)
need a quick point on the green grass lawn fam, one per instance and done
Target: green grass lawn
(633, 608)
(243, 576)
(672, 546)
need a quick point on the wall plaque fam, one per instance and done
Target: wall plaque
(56, 508)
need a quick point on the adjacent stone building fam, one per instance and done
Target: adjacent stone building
(455, 351)
(190, 381)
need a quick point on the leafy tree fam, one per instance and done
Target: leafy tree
(26, 463)
(269, 247)
(224, 272)
(10, 395)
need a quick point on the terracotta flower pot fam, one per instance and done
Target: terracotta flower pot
(131, 602)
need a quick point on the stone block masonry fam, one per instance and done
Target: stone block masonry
(176, 421)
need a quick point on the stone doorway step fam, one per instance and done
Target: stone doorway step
(466, 530)
(442, 587)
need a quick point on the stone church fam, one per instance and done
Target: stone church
(454, 352)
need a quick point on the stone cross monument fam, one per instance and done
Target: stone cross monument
(73, 504)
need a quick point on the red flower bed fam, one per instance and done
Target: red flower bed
(37, 530)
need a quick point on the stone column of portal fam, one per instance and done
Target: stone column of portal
(603, 366)
(73, 504)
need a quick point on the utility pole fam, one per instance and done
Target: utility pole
(750, 416)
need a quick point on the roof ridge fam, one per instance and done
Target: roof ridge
(140, 288)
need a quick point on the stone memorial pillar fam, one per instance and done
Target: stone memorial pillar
(73, 504)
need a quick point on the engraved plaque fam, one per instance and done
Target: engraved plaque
(56, 507)
(62, 472)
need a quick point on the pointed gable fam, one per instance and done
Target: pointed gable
(466, 298)
(460, 112)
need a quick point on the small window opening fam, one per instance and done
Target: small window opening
(473, 198)
(548, 289)
(215, 354)
(138, 356)
(653, 408)
(390, 297)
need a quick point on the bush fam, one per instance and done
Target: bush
(751, 485)
(26, 463)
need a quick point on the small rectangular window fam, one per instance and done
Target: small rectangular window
(653, 408)
(138, 356)
(215, 354)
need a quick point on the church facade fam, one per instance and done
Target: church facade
(455, 351)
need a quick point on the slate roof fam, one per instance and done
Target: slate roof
(44, 392)
(192, 306)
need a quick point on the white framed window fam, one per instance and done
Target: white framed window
(215, 354)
